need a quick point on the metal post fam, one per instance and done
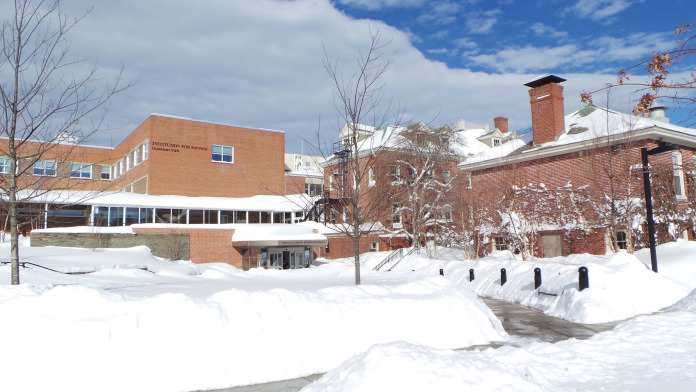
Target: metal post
(471, 274)
(537, 278)
(647, 189)
(503, 276)
(583, 279)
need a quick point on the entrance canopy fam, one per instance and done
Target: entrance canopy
(304, 234)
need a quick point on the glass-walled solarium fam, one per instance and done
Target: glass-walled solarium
(124, 216)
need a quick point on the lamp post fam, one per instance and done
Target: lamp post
(647, 190)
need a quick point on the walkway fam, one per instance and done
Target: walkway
(520, 322)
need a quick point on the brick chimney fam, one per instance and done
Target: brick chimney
(501, 123)
(546, 100)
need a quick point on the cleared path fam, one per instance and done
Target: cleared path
(520, 322)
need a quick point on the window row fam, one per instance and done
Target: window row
(120, 216)
(134, 158)
(49, 168)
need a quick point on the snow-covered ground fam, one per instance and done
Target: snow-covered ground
(621, 286)
(180, 327)
(648, 353)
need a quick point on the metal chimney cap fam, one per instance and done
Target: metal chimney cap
(545, 80)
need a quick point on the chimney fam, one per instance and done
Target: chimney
(546, 100)
(659, 113)
(501, 123)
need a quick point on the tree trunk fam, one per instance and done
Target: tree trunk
(14, 235)
(356, 256)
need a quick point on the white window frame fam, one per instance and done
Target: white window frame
(395, 173)
(496, 142)
(222, 154)
(43, 167)
(374, 246)
(110, 172)
(81, 170)
(397, 223)
(469, 182)
(5, 165)
(122, 167)
(678, 175)
(146, 150)
(371, 177)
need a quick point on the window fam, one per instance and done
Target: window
(331, 177)
(211, 216)
(500, 243)
(145, 215)
(80, 170)
(253, 217)
(227, 216)
(395, 173)
(371, 177)
(128, 161)
(446, 175)
(313, 189)
(4, 165)
(145, 151)
(178, 215)
(132, 216)
(496, 142)
(136, 156)
(240, 217)
(115, 216)
(469, 184)
(374, 246)
(105, 172)
(396, 214)
(265, 217)
(224, 154)
(621, 240)
(195, 217)
(101, 216)
(121, 167)
(446, 214)
(163, 215)
(678, 175)
(45, 168)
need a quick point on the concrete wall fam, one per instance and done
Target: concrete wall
(170, 246)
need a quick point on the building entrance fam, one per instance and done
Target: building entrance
(285, 257)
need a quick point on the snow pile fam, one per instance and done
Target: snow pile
(620, 285)
(650, 353)
(82, 339)
(675, 260)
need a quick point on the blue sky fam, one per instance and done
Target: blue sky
(258, 63)
(507, 35)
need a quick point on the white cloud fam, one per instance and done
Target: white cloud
(259, 64)
(374, 5)
(440, 12)
(601, 50)
(599, 9)
(482, 22)
(543, 30)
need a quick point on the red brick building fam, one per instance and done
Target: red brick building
(593, 151)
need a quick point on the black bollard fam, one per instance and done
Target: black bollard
(471, 274)
(583, 279)
(442, 272)
(503, 276)
(537, 278)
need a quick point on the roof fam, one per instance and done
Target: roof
(545, 80)
(583, 128)
(272, 203)
(214, 122)
(277, 234)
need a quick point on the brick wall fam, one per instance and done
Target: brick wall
(205, 245)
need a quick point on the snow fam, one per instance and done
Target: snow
(87, 229)
(500, 151)
(675, 260)
(620, 285)
(138, 322)
(649, 353)
(277, 232)
(286, 203)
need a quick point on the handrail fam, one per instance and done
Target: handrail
(389, 258)
(410, 251)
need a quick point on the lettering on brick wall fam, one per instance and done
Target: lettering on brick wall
(175, 147)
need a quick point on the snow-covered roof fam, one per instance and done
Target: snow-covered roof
(275, 203)
(586, 125)
(303, 165)
(277, 234)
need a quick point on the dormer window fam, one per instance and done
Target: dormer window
(496, 142)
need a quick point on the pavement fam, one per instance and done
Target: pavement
(521, 323)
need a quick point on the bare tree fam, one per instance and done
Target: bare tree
(46, 108)
(358, 99)
(425, 190)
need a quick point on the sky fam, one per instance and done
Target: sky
(258, 63)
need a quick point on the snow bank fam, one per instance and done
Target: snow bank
(620, 285)
(650, 353)
(81, 339)
(675, 260)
